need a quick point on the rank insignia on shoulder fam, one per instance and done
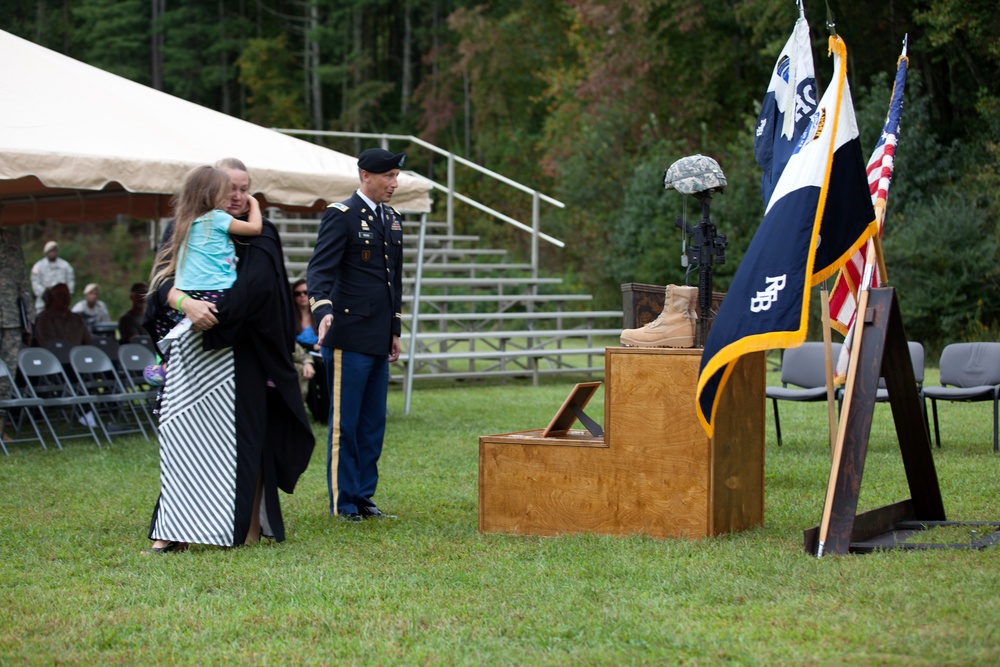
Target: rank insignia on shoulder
(339, 206)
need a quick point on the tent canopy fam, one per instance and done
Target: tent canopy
(79, 144)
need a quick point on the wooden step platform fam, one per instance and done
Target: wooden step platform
(654, 471)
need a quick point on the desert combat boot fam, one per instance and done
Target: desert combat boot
(675, 325)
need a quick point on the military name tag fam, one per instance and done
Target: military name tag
(365, 235)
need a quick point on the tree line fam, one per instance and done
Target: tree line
(589, 101)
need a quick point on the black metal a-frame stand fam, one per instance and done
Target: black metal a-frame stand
(884, 352)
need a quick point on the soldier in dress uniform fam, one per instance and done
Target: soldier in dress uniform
(355, 293)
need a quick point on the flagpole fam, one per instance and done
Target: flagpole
(883, 276)
(831, 419)
(825, 309)
(852, 370)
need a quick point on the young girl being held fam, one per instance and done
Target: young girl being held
(199, 255)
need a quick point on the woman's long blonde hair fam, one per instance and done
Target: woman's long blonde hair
(204, 189)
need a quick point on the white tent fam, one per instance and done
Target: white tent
(79, 144)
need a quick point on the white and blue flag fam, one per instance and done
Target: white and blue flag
(788, 105)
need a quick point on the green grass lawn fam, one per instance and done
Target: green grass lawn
(429, 589)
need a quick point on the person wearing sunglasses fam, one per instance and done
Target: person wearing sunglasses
(312, 375)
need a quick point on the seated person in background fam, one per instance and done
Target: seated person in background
(57, 323)
(91, 308)
(311, 377)
(305, 334)
(130, 323)
(48, 272)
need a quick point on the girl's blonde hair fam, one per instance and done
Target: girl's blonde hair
(204, 189)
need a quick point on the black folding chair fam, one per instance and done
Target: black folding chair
(132, 359)
(45, 379)
(23, 406)
(97, 378)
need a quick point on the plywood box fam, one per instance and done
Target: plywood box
(654, 471)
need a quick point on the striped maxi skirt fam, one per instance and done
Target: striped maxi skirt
(198, 447)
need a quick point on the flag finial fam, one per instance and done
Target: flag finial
(831, 23)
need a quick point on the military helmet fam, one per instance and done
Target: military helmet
(695, 175)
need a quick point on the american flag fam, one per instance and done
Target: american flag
(843, 304)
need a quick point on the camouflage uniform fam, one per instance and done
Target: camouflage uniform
(13, 284)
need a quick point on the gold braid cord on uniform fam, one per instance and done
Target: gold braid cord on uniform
(314, 304)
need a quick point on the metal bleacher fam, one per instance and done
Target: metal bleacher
(481, 314)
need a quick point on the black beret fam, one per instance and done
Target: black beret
(379, 160)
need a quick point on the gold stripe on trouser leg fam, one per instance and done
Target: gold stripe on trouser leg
(335, 428)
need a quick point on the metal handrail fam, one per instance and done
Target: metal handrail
(451, 196)
(415, 318)
(497, 214)
(449, 188)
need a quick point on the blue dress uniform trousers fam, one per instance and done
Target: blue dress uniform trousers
(358, 383)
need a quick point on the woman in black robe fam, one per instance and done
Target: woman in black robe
(233, 428)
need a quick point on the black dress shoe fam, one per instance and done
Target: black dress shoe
(352, 517)
(372, 512)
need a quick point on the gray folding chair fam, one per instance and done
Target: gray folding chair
(805, 368)
(97, 378)
(109, 345)
(23, 406)
(61, 350)
(916, 358)
(45, 379)
(145, 341)
(132, 359)
(970, 372)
